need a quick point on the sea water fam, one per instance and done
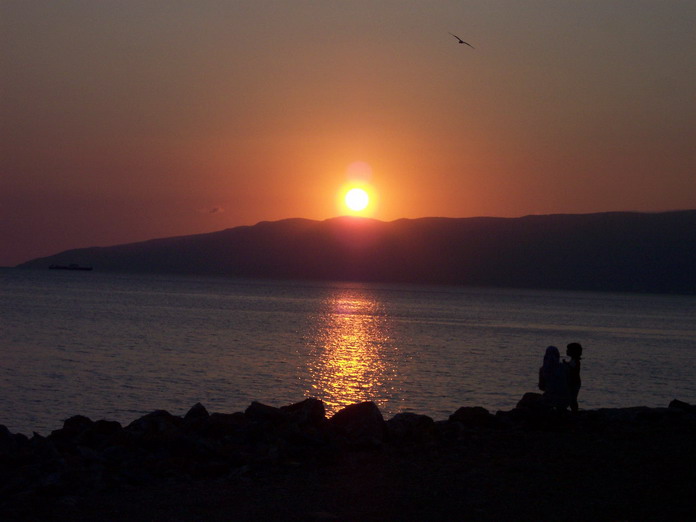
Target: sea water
(116, 347)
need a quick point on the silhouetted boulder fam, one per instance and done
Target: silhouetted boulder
(530, 400)
(196, 412)
(45, 449)
(532, 407)
(411, 428)
(85, 456)
(626, 416)
(72, 427)
(474, 417)
(534, 411)
(99, 433)
(263, 413)
(360, 424)
(682, 406)
(10, 442)
(158, 424)
(307, 412)
(219, 425)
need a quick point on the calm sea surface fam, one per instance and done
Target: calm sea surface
(116, 346)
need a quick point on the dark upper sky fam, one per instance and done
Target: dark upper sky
(123, 121)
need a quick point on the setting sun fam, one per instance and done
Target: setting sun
(357, 199)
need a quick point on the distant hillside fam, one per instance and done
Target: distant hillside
(618, 251)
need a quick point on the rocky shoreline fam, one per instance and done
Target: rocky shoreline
(294, 463)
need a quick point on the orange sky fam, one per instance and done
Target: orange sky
(124, 121)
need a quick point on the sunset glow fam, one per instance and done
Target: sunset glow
(128, 121)
(357, 199)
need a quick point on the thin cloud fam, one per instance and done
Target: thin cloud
(213, 210)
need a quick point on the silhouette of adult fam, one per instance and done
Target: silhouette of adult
(553, 380)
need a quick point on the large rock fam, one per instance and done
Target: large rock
(534, 411)
(219, 425)
(159, 424)
(10, 442)
(360, 424)
(71, 430)
(99, 434)
(682, 406)
(473, 416)
(263, 413)
(531, 401)
(409, 427)
(309, 412)
(197, 412)
(81, 431)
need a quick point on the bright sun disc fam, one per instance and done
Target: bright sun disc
(357, 199)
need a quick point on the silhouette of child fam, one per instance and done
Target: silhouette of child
(574, 351)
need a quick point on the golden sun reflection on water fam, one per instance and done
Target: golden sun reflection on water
(350, 349)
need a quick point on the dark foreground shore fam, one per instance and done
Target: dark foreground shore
(292, 463)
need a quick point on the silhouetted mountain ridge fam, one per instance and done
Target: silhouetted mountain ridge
(618, 251)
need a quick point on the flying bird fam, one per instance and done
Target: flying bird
(462, 41)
